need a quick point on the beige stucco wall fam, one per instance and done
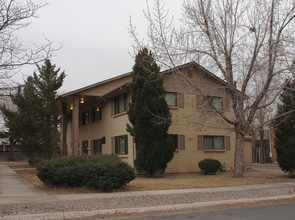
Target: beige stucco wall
(192, 122)
(248, 144)
(189, 120)
(108, 127)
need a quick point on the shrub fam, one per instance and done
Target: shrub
(105, 172)
(209, 166)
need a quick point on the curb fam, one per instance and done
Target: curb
(143, 210)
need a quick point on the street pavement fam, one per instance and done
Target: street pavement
(17, 194)
(270, 212)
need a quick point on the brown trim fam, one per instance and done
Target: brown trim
(200, 142)
(227, 142)
(180, 100)
(181, 142)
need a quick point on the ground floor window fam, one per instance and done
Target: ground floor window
(174, 138)
(121, 145)
(85, 147)
(213, 142)
(96, 146)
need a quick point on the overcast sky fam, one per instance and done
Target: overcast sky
(94, 36)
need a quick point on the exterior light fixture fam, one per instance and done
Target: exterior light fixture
(97, 109)
(82, 100)
(71, 107)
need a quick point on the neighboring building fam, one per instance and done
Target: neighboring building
(261, 149)
(94, 120)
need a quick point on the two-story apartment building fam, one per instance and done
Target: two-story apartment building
(94, 120)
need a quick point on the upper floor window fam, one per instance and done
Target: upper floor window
(120, 103)
(85, 118)
(171, 98)
(213, 142)
(96, 113)
(217, 102)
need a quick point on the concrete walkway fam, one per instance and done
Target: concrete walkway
(12, 185)
(20, 200)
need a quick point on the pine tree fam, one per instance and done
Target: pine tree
(285, 129)
(33, 125)
(149, 115)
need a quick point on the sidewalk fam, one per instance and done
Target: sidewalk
(23, 202)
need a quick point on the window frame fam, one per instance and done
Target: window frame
(166, 99)
(85, 118)
(174, 138)
(96, 115)
(85, 147)
(117, 146)
(99, 146)
(213, 142)
(117, 109)
(207, 105)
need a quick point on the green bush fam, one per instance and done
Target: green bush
(209, 166)
(105, 172)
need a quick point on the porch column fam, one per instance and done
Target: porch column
(75, 126)
(64, 122)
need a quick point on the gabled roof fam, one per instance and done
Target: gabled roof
(96, 84)
(193, 64)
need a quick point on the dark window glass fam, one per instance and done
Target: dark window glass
(213, 142)
(85, 118)
(174, 138)
(121, 104)
(85, 147)
(121, 145)
(96, 145)
(96, 113)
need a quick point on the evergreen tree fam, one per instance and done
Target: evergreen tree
(149, 115)
(34, 123)
(285, 129)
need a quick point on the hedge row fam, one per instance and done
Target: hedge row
(106, 172)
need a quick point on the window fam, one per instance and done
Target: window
(171, 98)
(85, 118)
(174, 138)
(217, 102)
(85, 147)
(120, 104)
(96, 114)
(213, 142)
(96, 146)
(121, 145)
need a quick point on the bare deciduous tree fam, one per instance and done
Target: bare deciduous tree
(237, 39)
(15, 15)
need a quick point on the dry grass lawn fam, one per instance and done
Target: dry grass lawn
(165, 181)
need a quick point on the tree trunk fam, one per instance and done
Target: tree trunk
(239, 155)
(10, 156)
(261, 147)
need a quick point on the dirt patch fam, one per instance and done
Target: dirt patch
(165, 181)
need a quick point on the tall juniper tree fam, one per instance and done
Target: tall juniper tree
(34, 123)
(149, 115)
(285, 129)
